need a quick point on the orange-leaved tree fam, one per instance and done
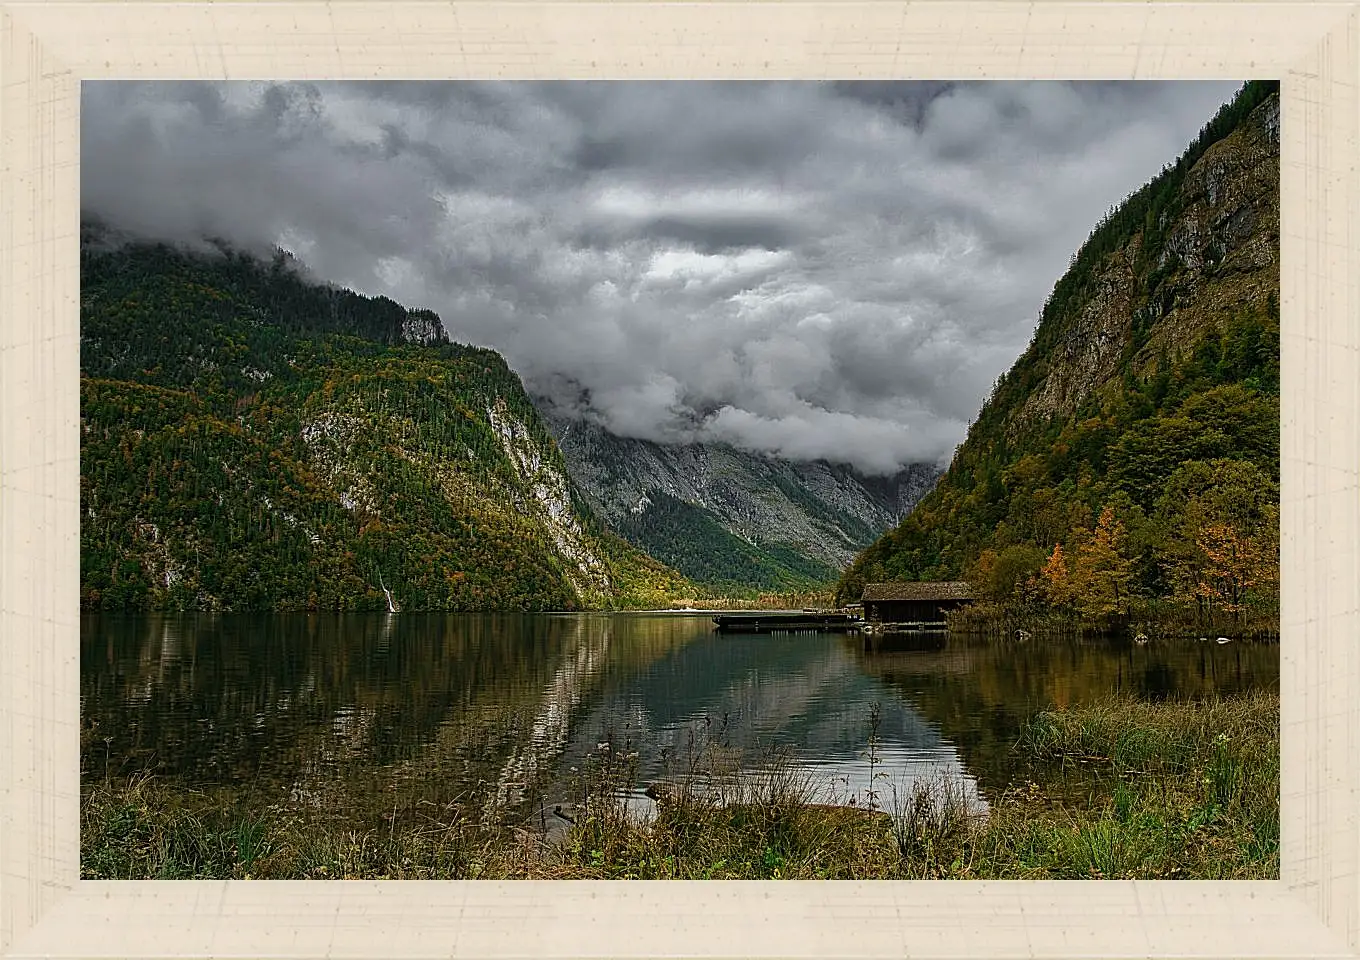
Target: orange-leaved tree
(1054, 580)
(1234, 565)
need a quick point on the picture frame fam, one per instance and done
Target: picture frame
(47, 47)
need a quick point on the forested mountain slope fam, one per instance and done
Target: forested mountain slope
(251, 440)
(730, 517)
(1133, 450)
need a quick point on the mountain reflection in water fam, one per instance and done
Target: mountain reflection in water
(308, 707)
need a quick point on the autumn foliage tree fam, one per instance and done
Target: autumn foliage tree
(1222, 522)
(1102, 577)
(1054, 579)
(1234, 564)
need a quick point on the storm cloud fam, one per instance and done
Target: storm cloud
(814, 270)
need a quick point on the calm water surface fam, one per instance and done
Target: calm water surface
(300, 708)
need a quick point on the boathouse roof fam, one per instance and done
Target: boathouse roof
(918, 590)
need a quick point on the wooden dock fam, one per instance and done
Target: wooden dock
(785, 621)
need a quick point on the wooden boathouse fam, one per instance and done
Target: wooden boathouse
(913, 605)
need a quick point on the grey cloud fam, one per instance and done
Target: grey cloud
(712, 233)
(824, 271)
(716, 234)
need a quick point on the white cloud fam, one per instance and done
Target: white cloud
(817, 270)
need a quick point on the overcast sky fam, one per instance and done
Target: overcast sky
(813, 270)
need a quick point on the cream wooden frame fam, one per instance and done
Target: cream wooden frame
(47, 47)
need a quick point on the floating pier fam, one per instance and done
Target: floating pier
(785, 621)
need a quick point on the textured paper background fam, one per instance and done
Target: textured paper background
(47, 47)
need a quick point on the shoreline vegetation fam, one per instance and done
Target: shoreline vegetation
(1118, 788)
(795, 600)
(992, 619)
(1001, 622)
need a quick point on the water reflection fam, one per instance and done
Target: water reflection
(796, 699)
(979, 693)
(315, 707)
(551, 724)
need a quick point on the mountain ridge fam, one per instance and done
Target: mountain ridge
(814, 515)
(250, 440)
(340, 429)
(1131, 454)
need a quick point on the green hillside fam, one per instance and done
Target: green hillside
(694, 542)
(1131, 455)
(252, 441)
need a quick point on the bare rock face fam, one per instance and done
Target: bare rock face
(1090, 354)
(1222, 252)
(549, 500)
(1218, 256)
(423, 327)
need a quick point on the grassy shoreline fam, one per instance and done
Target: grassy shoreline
(1115, 789)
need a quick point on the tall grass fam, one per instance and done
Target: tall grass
(1116, 789)
(1151, 790)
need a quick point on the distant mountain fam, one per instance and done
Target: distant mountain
(729, 517)
(1133, 450)
(251, 440)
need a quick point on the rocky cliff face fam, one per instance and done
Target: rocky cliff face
(546, 497)
(1219, 256)
(423, 327)
(825, 512)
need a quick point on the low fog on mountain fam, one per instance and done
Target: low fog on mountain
(810, 270)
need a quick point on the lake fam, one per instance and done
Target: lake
(342, 709)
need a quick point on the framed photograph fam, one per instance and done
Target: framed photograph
(462, 460)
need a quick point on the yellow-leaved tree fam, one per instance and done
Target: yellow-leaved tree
(1102, 577)
(1054, 581)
